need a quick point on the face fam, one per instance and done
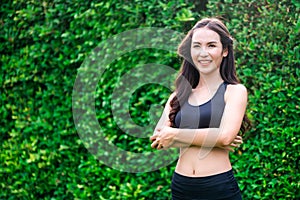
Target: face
(207, 51)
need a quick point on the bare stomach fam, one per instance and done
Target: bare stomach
(200, 161)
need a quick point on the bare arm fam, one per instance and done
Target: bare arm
(224, 136)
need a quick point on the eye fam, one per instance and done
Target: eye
(211, 45)
(196, 46)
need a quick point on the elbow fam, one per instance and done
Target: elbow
(225, 140)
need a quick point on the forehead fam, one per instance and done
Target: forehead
(205, 35)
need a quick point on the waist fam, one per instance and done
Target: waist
(211, 178)
(218, 186)
(201, 162)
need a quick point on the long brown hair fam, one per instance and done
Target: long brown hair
(188, 77)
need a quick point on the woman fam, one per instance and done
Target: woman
(204, 115)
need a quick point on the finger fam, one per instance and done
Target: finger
(160, 146)
(154, 144)
(153, 137)
(236, 141)
(235, 145)
(239, 138)
(229, 149)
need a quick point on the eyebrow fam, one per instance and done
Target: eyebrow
(211, 42)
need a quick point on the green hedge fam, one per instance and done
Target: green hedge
(43, 44)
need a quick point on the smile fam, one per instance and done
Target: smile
(204, 61)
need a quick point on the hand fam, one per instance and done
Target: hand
(163, 137)
(238, 140)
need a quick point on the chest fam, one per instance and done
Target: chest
(200, 97)
(195, 114)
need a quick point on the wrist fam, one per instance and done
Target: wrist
(175, 134)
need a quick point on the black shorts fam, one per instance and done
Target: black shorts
(219, 186)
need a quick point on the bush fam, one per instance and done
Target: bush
(268, 55)
(42, 48)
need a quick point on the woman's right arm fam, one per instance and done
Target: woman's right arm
(165, 121)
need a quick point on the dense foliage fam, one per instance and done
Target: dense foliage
(43, 45)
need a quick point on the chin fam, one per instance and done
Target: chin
(207, 71)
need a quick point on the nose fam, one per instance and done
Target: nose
(203, 52)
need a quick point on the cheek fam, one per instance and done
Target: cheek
(217, 54)
(194, 53)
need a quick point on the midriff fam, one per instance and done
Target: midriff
(201, 161)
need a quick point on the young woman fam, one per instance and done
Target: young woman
(204, 115)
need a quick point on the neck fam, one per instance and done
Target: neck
(210, 80)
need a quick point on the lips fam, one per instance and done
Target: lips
(204, 62)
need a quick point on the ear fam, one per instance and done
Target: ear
(225, 52)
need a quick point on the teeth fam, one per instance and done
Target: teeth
(204, 61)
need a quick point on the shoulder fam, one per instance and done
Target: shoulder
(168, 104)
(236, 91)
(236, 88)
(171, 96)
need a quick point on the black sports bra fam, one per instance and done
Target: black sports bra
(207, 115)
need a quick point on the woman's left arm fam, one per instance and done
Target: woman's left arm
(236, 102)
